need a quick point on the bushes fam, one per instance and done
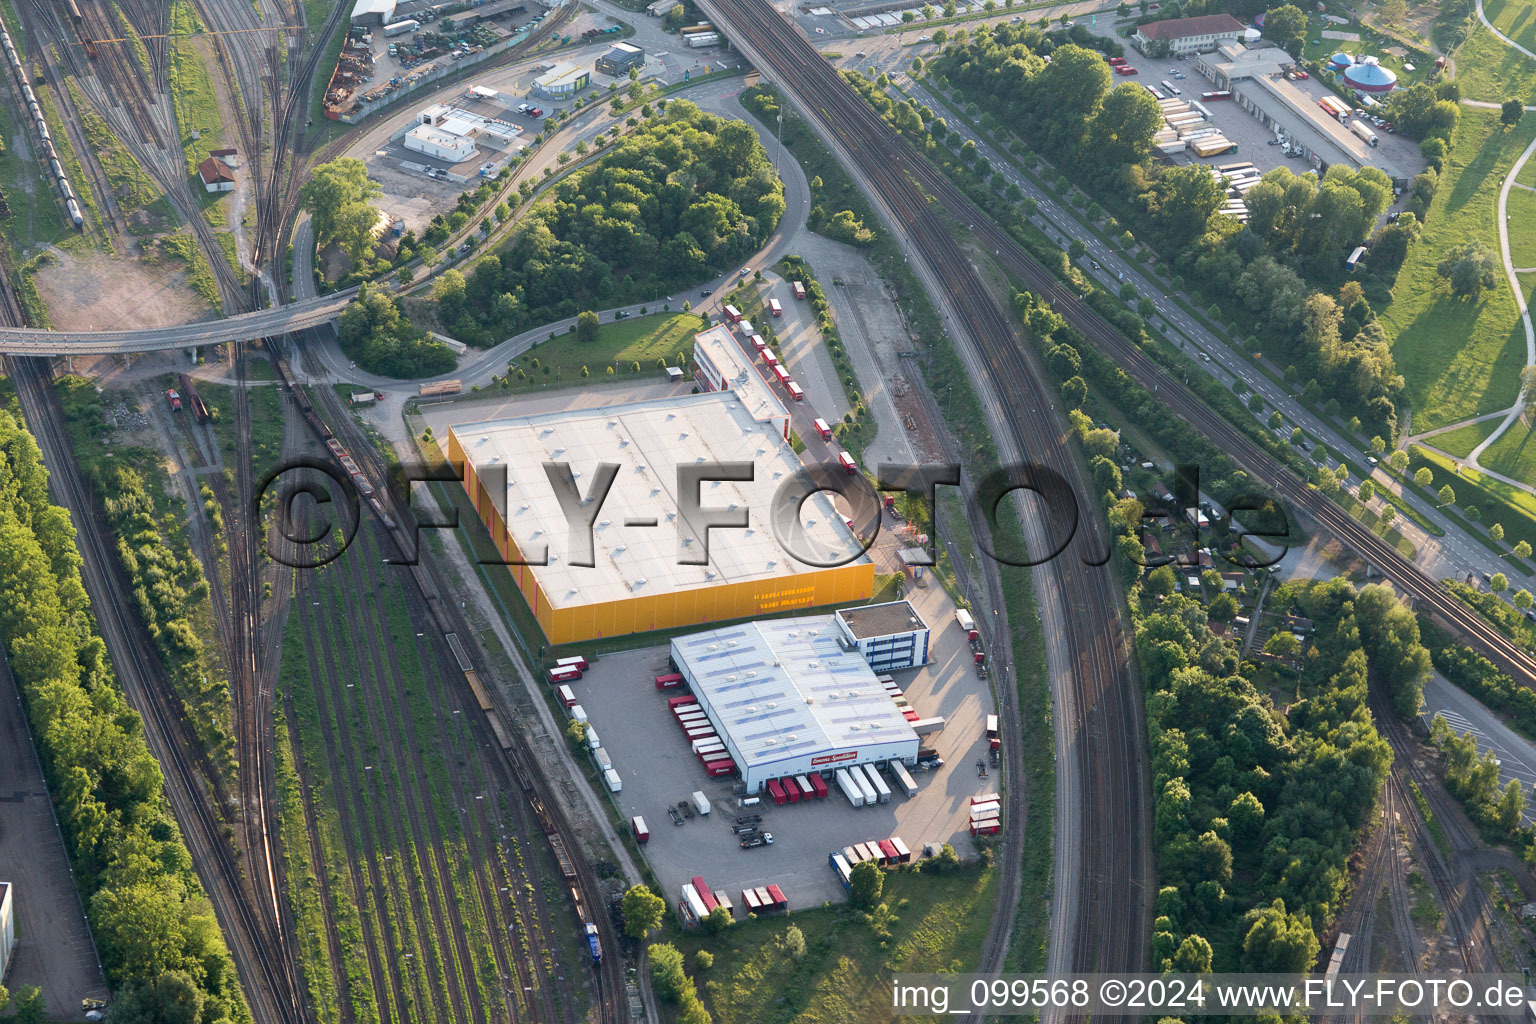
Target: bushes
(375, 335)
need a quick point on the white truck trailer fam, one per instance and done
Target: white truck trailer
(855, 794)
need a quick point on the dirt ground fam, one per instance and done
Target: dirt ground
(95, 292)
(53, 947)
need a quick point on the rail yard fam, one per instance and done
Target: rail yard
(520, 619)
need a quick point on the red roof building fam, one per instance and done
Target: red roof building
(216, 175)
(1190, 35)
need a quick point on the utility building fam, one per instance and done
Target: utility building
(787, 697)
(439, 143)
(652, 563)
(1189, 35)
(562, 81)
(890, 636)
(620, 58)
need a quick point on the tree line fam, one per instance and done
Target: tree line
(154, 927)
(1303, 225)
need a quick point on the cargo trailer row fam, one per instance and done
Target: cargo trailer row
(883, 852)
(764, 900)
(792, 789)
(704, 742)
(986, 815)
(1213, 146)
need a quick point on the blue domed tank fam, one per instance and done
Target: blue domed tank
(1369, 76)
(1340, 61)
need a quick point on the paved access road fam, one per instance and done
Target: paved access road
(1464, 713)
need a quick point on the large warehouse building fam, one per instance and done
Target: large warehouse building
(640, 537)
(788, 697)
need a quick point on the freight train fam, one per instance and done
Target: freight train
(307, 409)
(193, 399)
(45, 138)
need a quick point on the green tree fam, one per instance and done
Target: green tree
(1245, 818)
(1510, 806)
(1522, 599)
(719, 920)
(667, 975)
(1283, 645)
(1511, 112)
(28, 1006)
(643, 911)
(586, 326)
(1496, 531)
(866, 883)
(1388, 513)
(1367, 490)
(1523, 549)
(793, 942)
(332, 194)
(1498, 583)
(1398, 460)
(1223, 608)
(1193, 956)
(703, 960)
(576, 734)
(1277, 942)
(1075, 391)
(1287, 27)
(1447, 495)
(1423, 476)
(1470, 268)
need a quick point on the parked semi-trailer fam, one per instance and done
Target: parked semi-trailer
(775, 308)
(442, 387)
(857, 776)
(964, 618)
(1360, 129)
(924, 726)
(700, 802)
(882, 791)
(614, 782)
(841, 869)
(604, 762)
(799, 289)
(637, 825)
(400, 28)
(903, 778)
(855, 794)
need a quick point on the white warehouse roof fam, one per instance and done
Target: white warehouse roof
(648, 441)
(787, 690)
(381, 8)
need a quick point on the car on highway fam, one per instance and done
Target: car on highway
(621, 315)
(707, 292)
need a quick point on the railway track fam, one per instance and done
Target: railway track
(1110, 908)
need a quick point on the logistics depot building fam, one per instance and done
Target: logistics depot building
(640, 536)
(789, 697)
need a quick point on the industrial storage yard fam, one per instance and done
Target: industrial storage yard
(659, 770)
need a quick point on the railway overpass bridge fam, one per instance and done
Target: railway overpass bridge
(263, 323)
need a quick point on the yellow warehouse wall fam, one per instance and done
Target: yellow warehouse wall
(694, 606)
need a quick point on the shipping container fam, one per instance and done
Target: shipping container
(781, 374)
(865, 851)
(592, 741)
(683, 700)
(888, 851)
(986, 798)
(564, 675)
(637, 825)
(776, 792)
(750, 901)
(799, 289)
(882, 791)
(567, 696)
(759, 343)
(770, 357)
(990, 827)
(718, 769)
(578, 712)
(791, 790)
(796, 392)
(669, 680)
(903, 855)
(700, 802)
(851, 855)
(705, 895)
(722, 900)
(614, 783)
(733, 314)
(903, 778)
(777, 896)
(855, 794)
(964, 618)
(1360, 129)
(578, 663)
(991, 726)
(702, 39)
(819, 785)
(910, 715)
(857, 777)
(700, 732)
(604, 762)
(924, 726)
(707, 743)
(846, 461)
(823, 428)
(807, 791)
(986, 810)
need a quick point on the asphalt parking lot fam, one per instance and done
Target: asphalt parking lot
(658, 770)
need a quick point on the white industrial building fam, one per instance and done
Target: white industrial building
(787, 698)
(721, 364)
(7, 926)
(439, 144)
(890, 636)
(646, 543)
(562, 81)
(373, 12)
(467, 124)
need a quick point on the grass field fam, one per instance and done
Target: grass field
(1514, 454)
(642, 340)
(940, 921)
(1487, 67)
(1462, 440)
(1498, 502)
(1522, 225)
(1460, 358)
(192, 93)
(1515, 18)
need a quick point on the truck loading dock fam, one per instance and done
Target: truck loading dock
(658, 769)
